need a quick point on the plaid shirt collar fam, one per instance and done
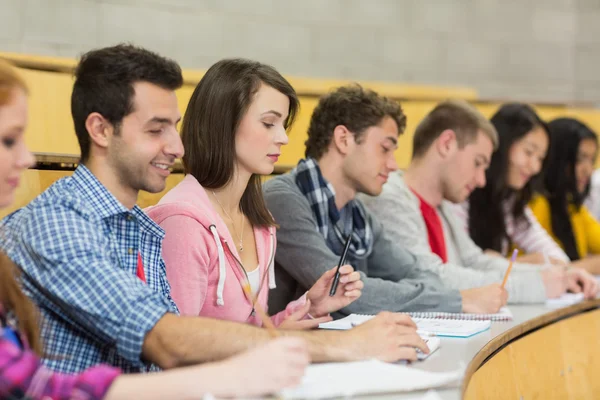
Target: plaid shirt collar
(106, 205)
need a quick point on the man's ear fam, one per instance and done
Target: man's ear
(99, 129)
(342, 139)
(446, 143)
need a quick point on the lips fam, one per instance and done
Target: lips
(163, 168)
(14, 182)
(274, 157)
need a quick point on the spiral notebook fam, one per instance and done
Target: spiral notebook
(503, 315)
(459, 328)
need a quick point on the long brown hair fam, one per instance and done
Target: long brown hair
(213, 115)
(12, 299)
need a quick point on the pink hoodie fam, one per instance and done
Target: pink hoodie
(204, 271)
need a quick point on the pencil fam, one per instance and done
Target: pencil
(336, 277)
(510, 264)
(266, 320)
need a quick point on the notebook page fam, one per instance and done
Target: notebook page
(450, 327)
(567, 299)
(366, 377)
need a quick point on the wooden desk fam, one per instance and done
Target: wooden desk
(542, 354)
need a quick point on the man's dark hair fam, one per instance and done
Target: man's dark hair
(353, 107)
(104, 80)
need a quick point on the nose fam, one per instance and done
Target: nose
(25, 159)
(535, 166)
(281, 137)
(481, 179)
(174, 145)
(589, 169)
(392, 164)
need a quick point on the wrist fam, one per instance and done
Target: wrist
(466, 301)
(314, 312)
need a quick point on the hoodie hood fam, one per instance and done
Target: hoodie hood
(190, 199)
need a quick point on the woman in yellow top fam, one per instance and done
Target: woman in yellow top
(560, 209)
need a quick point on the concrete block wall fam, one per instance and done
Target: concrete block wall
(533, 50)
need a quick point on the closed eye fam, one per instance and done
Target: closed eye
(8, 142)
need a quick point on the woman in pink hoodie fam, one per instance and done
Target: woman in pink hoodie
(220, 235)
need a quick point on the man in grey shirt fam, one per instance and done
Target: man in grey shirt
(350, 149)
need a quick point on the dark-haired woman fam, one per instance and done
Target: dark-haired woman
(559, 207)
(498, 216)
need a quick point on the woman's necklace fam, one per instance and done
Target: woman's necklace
(241, 246)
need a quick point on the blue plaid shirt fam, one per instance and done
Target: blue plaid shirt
(78, 248)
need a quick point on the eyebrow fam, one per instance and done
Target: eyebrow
(531, 144)
(583, 153)
(277, 113)
(393, 140)
(483, 158)
(161, 120)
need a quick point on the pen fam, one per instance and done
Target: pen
(510, 264)
(336, 278)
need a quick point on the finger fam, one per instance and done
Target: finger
(584, 285)
(310, 323)
(355, 294)
(414, 340)
(574, 287)
(351, 276)
(354, 286)
(346, 272)
(403, 330)
(328, 275)
(404, 353)
(589, 289)
(402, 320)
(299, 313)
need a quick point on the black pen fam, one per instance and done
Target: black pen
(336, 278)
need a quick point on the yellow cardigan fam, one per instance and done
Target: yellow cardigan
(586, 229)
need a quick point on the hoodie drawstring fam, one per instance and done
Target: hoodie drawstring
(222, 270)
(271, 266)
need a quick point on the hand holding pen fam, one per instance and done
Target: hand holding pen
(335, 289)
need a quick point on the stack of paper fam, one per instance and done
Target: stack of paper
(366, 377)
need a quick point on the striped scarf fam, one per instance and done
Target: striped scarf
(350, 219)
